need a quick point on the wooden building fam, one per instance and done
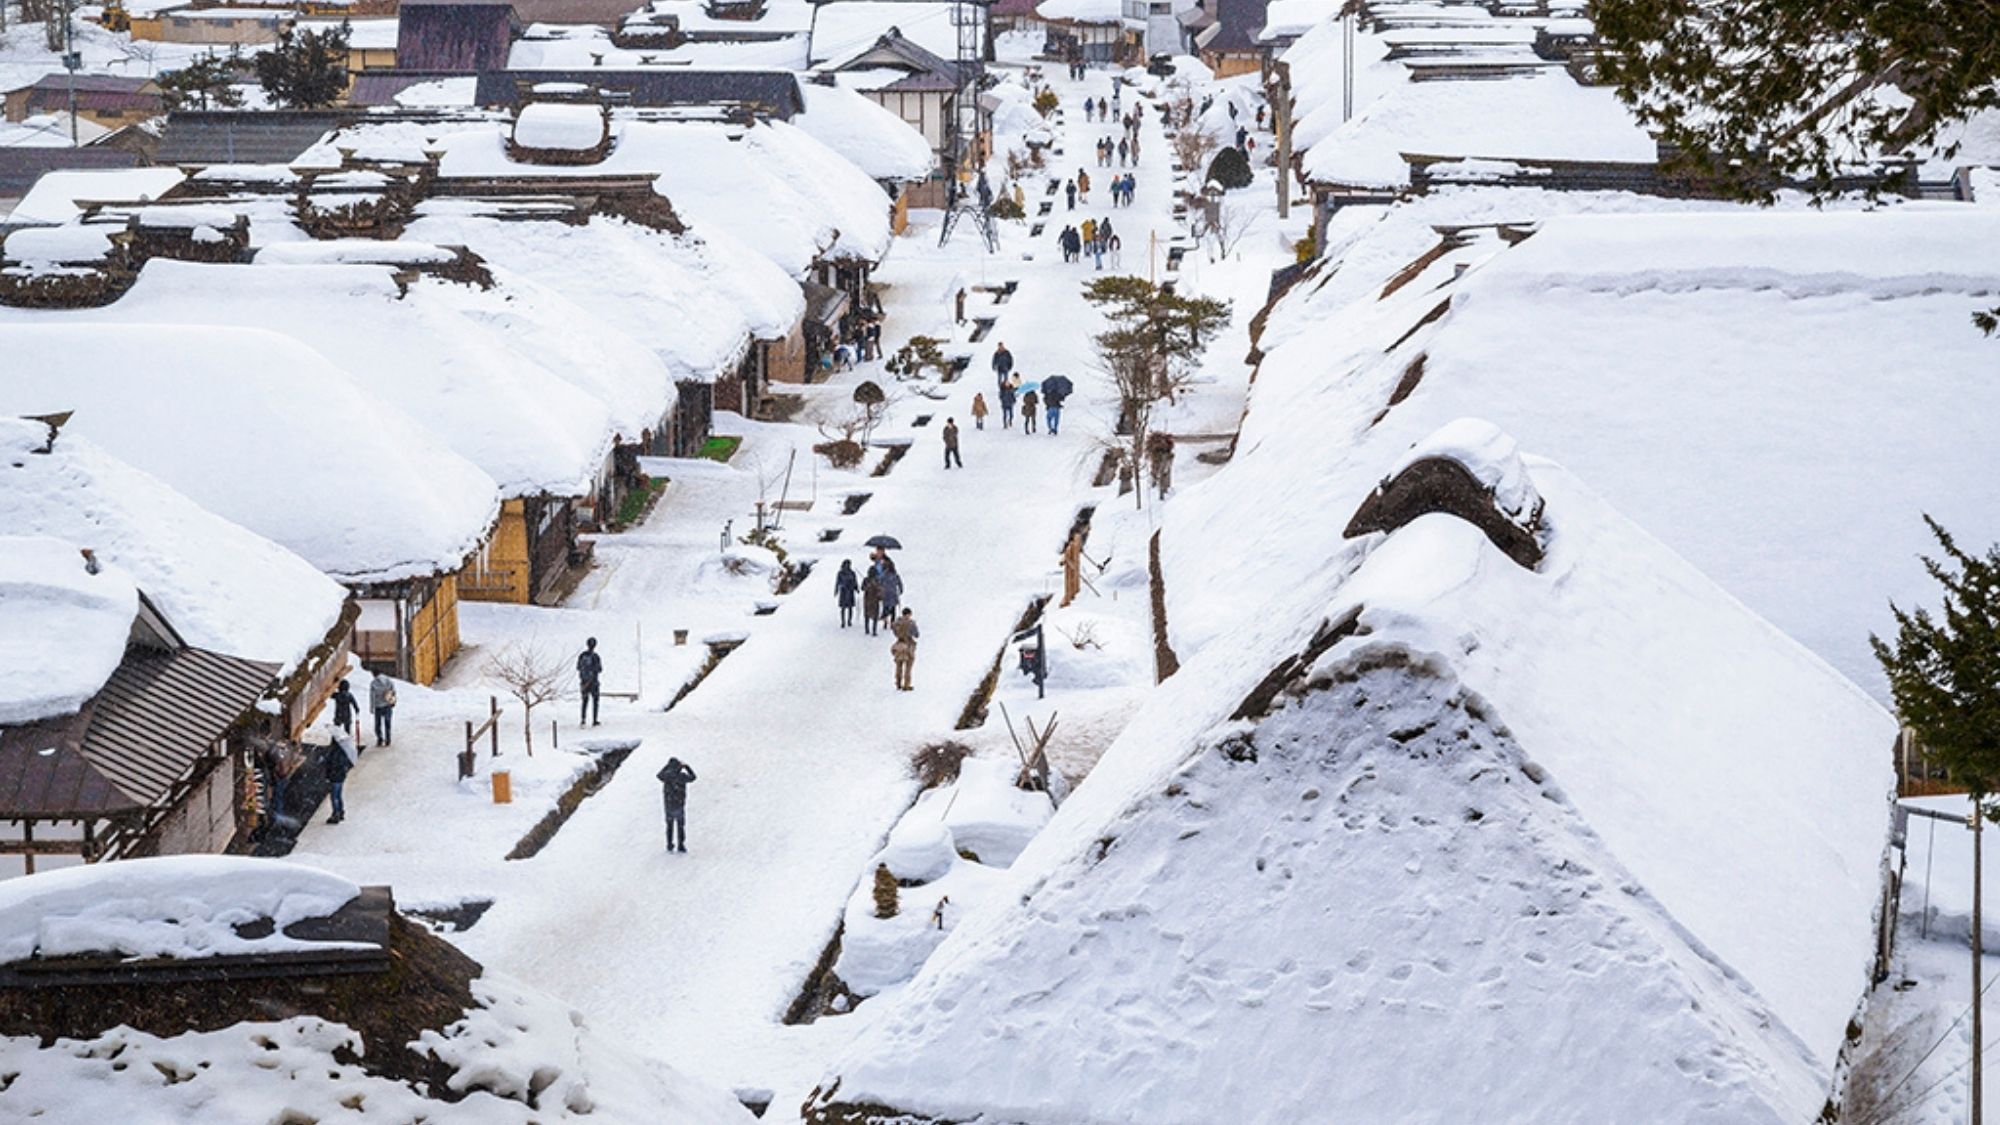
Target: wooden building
(104, 99)
(455, 36)
(151, 765)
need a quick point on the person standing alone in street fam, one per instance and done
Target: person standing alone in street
(344, 707)
(845, 586)
(904, 650)
(338, 759)
(951, 456)
(589, 669)
(674, 780)
(382, 702)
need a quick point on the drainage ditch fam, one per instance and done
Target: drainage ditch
(454, 919)
(974, 714)
(588, 784)
(894, 454)
(851, 503)
(718, 651)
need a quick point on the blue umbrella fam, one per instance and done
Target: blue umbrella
(1024, 388)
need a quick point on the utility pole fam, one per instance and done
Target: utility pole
(967, 129)
(71, 61)
(1281, 123)
(1978, 1041)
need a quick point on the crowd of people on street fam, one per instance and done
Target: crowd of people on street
(880, 593)
(1094, 239)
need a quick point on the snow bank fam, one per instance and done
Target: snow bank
(1490, 455)
(49, 598)
(269, 445)
(520, 1057)
(184, 906)
(222, 587)
(71, 244)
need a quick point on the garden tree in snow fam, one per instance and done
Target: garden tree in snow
(1134, 376)
(921, 353)
(1944, 674)
(885, 892)
(533, 677)
(873, 403)
(305, 70)
(1171, 329)
(206, 82)
(1230, 168)
(1748, 90)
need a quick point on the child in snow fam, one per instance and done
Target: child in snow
(978, 410)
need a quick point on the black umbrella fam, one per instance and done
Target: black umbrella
(1058, 386)
(886, 542)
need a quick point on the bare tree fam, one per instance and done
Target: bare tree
(1226, 224)
(1193, 146)
(532, 676)
(1136, 377)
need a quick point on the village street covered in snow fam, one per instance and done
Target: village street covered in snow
(932, 563)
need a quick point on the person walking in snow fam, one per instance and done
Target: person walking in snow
(871, 600)
(951, 456)
(1028, 403)
(1089, 234)
(1003, 363)
(1089, 109)
(344, 707)
(1124, 147)
(1069, 189)
(382, 703)
(589, 669)
(1052, 400)
(904, 649)
(958, 305)
(674, 778)
(892, 590)
(1112, 247)
(1007, 404)
(1083, 185)
(846, 585)
(336, 760)
(979, 410)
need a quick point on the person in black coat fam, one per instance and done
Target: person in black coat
(1003, 363)
(336, 763)
(845, 586)
(674, 780)
(344, 707)
(589, 670)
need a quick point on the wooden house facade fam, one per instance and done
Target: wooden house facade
(152, 765)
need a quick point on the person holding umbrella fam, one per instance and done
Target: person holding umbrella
(1055, 389)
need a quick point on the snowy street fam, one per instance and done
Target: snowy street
(800, 741)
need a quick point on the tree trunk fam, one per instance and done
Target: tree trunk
(528, 727)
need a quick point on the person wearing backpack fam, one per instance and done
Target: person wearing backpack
(382, 702)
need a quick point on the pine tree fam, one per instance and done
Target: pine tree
(204, 82)
(885, 892)
(1944, 674)
(1230, 168)
(305, 70)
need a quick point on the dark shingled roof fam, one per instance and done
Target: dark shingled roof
(235, 137)
(927, 70)
(153, 720)
(461, 36)
(21, 166)
(768, 94)
(1237, 23)
(93, 83)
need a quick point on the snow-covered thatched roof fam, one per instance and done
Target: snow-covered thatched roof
(260, 430)
(222, 587)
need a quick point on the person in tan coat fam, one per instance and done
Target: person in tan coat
(904, 650)
(979, 410)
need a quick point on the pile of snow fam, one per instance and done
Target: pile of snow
(1433, 812)
(270, 445)
(1081, 11)
(183, 907)
(568, 126)
(1490, 455)
(222, 587)
(49, 597)
(980, 814)
(354, 251)
(68, 245)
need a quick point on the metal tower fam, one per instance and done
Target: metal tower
(967, 130)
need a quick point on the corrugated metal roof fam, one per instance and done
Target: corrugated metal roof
(21, 166)
(238, 137)
(154, 719)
